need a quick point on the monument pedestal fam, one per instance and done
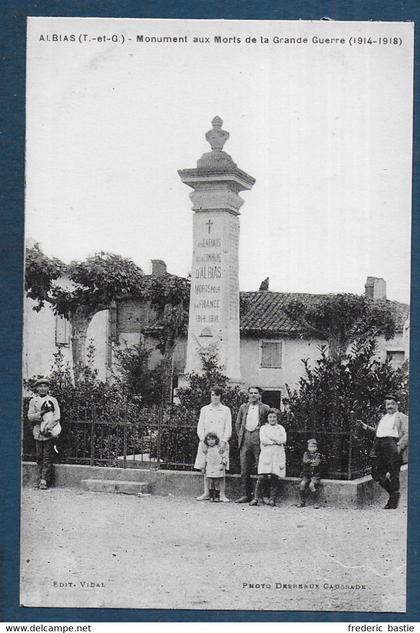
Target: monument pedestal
(214, 303)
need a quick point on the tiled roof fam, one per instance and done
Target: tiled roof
(265, 315)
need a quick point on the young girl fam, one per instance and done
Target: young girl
(272, 461)
(215, 465)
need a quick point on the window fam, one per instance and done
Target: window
(62, 331)
(395, 356)
(271, 354)
(272, 397)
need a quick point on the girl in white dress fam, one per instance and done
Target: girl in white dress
(272, 461)
(214, 418)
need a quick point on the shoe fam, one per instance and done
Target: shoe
(393, 502)
(43, 485)
(216, 497)
(266, 501)
(203, 497)
(36, 485)
(254, 502)
(243, 499)
(224, 500)
(302, 504)
(272, 503)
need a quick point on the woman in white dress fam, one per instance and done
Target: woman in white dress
(214, 418)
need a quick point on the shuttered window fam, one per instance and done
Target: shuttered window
(271, 353)
(62, 331)
(395, 357)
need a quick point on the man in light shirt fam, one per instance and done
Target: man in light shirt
(251, 416)
(389, 449)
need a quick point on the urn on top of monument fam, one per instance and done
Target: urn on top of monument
(216, 137)
(216, 167)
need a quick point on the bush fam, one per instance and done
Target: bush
(133, 374)
(330, 391)
(330, 397)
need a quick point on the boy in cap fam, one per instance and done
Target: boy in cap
(311, 471)
(44, 413)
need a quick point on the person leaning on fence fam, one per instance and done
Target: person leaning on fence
(311, 471)
(215, 465)
(272, 459)
(44, 414)
(214, 418)
(389, 449)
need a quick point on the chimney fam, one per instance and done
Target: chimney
(375, 288)
(158, 267)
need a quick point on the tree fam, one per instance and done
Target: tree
(169, 297)
(197, 394)
(332, 388)
(134, 375)
(342, 319)
(86, 287)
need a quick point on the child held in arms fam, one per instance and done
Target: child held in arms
(272, 460)
(215, 465)
(311, 471)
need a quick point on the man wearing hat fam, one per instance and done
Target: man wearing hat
(389, 449)
(41, 405)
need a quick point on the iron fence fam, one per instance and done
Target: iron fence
(165, 438)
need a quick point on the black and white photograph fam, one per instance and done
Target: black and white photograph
(216, 322)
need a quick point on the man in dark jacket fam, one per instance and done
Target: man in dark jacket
(251, 416)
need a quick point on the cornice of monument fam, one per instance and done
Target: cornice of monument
(194, 177)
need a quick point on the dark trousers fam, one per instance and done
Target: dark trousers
(386, 460)
(267, 486)
(44, 459)
(249, 454)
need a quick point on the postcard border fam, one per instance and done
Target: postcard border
(13, 35)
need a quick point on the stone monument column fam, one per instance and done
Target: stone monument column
(214, 303)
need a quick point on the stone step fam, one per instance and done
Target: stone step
(113, 485)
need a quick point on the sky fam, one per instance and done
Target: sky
(324, 128)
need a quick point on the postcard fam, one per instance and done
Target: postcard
(217, 314)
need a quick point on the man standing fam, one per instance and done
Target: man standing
(39, 406)
(251, 416)
(389, 449)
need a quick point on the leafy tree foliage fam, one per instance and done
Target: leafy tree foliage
(169, 297)
(40, 273)
(91, 285)
(197, 394)
(332, 389)
(342, 319)
(133, 374)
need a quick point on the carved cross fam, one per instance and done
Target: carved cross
(209, 224)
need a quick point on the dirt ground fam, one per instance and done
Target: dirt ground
(91, 549)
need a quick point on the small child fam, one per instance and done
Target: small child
(272, 461)
(311, 471)
(215, 465)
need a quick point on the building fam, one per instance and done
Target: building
(271, 345)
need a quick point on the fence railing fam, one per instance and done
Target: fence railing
(166, 438)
